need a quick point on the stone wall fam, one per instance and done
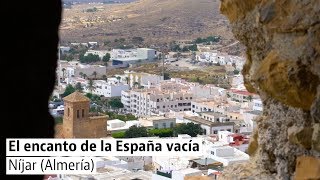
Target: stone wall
(283, 66)
(94, 127)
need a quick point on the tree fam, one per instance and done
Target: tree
(250, 98)
(78, 87)
(236, 72)
(199, 40)
(106, 58)
(185, 49)
(166, 76)
(68, 57)
(190, 128)
(69, 90)
(94, 74)
(118, 78)
(105, 77)
(136, 84)
(63, 71)
(89, 95)
(115, 103)
(81, 74)
(135, 132)
(91, 86)
(84, 76)
(194, 47)
(127, 80)
(94, 9)
(161, 132)
(89, 58)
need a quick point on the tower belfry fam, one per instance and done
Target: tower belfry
(77, 122)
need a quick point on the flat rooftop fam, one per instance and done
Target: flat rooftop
(158, 118)
(119, 174)
(215, 114)
(205, 161)
(200, 120)
(255, 112)
(128, 59)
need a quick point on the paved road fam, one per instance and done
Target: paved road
(235, 43)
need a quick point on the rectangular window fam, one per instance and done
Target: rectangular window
(82, 112)
(164, 125)
(78, 114)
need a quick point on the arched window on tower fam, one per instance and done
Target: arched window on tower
(68, 111)
(82, 113)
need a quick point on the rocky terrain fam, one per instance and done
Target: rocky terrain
(283, 67)
(154, 20)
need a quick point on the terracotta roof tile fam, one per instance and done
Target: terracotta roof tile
(76, 97)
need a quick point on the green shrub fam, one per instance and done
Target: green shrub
(118, 134)
(161, 132)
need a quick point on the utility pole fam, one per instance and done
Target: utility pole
(59, 65)
(163, 56)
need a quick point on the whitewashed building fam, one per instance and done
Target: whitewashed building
(100, 53)
(210, 126)
(249, 119)
(145, 80)
(164, 97)
(74, 69)
(108, 89)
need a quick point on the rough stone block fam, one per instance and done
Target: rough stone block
(307, 168)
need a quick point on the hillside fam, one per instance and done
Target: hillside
(154, 20)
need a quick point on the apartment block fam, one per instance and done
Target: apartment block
(164, 97)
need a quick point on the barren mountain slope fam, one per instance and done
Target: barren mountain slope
(154, 20)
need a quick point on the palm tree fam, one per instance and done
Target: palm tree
(81, 74)
(63, 71)
(94, 74)
(78, 87)
(84, 76)
(91, 86)
(127, 80)
(119, 78)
